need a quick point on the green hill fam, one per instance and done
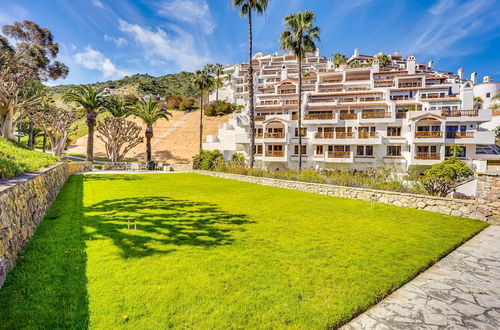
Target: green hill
(144, 84)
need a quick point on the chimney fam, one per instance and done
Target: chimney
(356, 52)
(461, 73)
(430, 64)
(316, 53)
(411, 64)
(473, 77)
(487, 79)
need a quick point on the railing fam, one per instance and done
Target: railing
(345, 135)
(319, 116)
(339, 154)
(400, 114)
(427, 155)
(275, 135)
(324, 135)
(368, 135)
(367, 115)
(260, 118)
(258, 135)
(295, 117)
(459, 135)
(275, 153)
(348, 116)
(429, 134)
(460, 113)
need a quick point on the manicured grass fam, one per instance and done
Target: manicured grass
(215, 253)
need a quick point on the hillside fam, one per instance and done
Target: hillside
(144, 84)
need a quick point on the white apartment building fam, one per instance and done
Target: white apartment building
(406, 115)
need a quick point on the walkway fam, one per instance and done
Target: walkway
(462, 291)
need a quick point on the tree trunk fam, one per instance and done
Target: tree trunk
(250, 90)
(31, 138)
(44, 143)
(201, 121)
(91, 121)
(300, 112)
(149, 136)
(217, 89)
(7, 129)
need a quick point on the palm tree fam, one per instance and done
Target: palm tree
(218, 71)
(92, 100)
(150, 112)
(202, 81)
(298, 38)
(338, 59)
(478, 102)
(119, 107)
(246, 8)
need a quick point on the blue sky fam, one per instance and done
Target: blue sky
(107, 39)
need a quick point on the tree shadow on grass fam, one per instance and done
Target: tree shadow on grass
(163, 224)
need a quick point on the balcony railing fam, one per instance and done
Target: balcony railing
(348, 116)
(369, 115)
(345, 135)
(460, 135)
(427, 155)
(429, 134)
(324, 135)
(258, 135)
(275, 153)
(339, 154)
(260, 118)
(274, 135)
(460, 113)
(401, 114)
(368, 135)
(319, 116)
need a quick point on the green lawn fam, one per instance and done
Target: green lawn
(215, 253)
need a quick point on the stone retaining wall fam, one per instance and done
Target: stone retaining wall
(486, 207)
(24, 200)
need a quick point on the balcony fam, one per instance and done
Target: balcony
(375, 115)
(368, 135)
(319, 116)
(324, 135)
(275, 153)
(459, 135)
(274, 135)
(428, 155)
(339, 157)
(260, 118)
(428, 134)
(348, 116)
(460, 113)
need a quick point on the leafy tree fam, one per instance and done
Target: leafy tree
(208, 160)
(187, 104)
(174, 101)
(119, 136)
(299, 38)
(246, 9)
(383, 60)
(355, 64)
(238, 158)
(497, 133)
(92, 101)
(203, 81)
(119, 107)
(442, 178)
(150, 112)
(478, 102)
(338, 59)
(131, 98)
(219, 108)
(28, 54)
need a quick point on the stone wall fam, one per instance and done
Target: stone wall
(485, 207)
(24, 200)
(78, 167)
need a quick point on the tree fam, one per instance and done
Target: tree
(338, 59)
(27, 55)
(219, 108)
(218, 71)
(442, 178)
(174, 101)
(383, 60)
(56, 123)
(119, 136)
(478, 102)
(203, 81)
(150, 112)
(118, 107)
(497, 134)
(92, 101)
(246, 9)
(188, 104)
(299, 38)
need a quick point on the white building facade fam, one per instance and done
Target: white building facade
(406, 115)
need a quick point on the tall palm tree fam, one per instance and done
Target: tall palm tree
(150, 112)
(299, 38)
(92, 100)
(119, 107)
(218, 71)
(203, 82)
(246, 8)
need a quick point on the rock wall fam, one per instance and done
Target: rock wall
(24, 200)
(485, 207)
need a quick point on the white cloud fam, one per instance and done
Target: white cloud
(97, 3)
(441, 6)
(94, 60)
(119, 41)
(195, 12)
(178, 47)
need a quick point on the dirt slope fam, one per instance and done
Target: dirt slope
(175, 141)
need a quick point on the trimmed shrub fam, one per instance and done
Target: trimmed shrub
(219, 108)
(209, 160)
(188, 104)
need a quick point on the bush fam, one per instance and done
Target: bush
(174, 101)
(442, 178)
(209, 160)
(16, 159)
(188, 104)
(219, 108)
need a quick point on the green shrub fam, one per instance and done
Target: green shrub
(442, 178)
(187, 104)
(209, 160)
(16, 159)
(219, 108)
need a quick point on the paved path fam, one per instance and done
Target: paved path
(462, 291)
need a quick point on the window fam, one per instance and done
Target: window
(488, 95)
(393, 151)
(303, 131)
(360, 150)
(303, 150)
(448, 152)
(259, 149)
(319, 150)
(364, 150)
(393, 131)
(369, 150)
